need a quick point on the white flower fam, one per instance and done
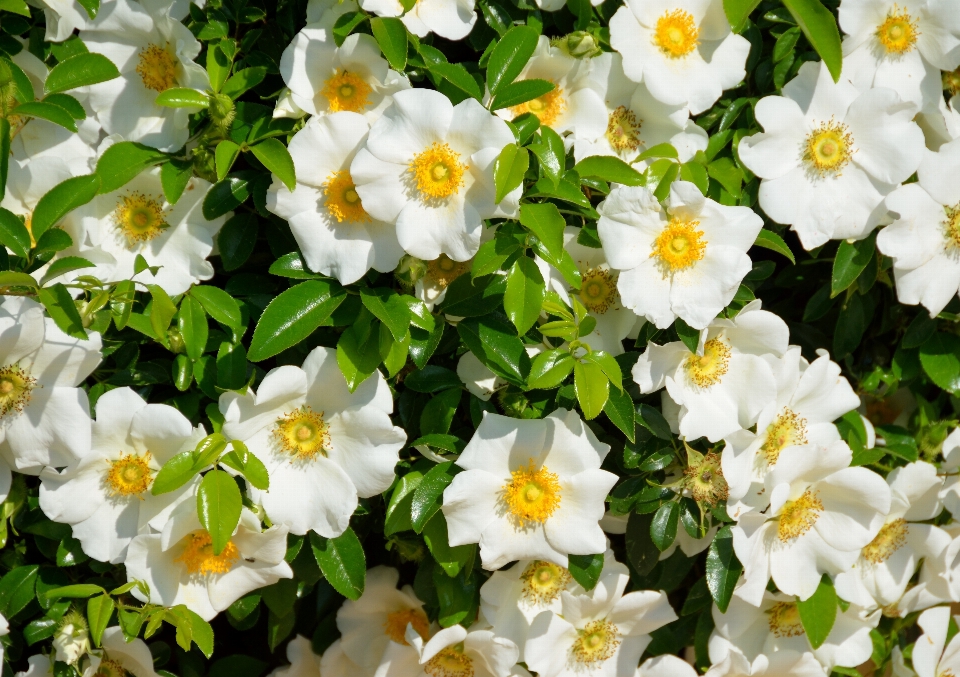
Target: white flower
(930, 658)
(689, 545)
(601, 633)
(821, 514)
(950, 493)
(828, 155)
(325, 213)
(179, 566)
(335, 663)
(72, 639)
(723, 387)
(62, 17)
(28, 181)
(924, 242)
(452, 652)
(809, 398)
(44, 416)
(37, 666)
(774, 626)
(4, 631)
(684, 261)
(478, 378)
(598, 294)
(450, 19)
(532, 489)
(428, 167)
(635, 120)
(303, 662)
(900, 45)
(666, 665)
(120, 658)
(942, 124)
(105, 496)
(153, 52)
(310, 431)
(683, 50)
(324, 78)
(783, 663)
(326, 12)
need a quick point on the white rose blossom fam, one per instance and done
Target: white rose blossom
(932, 655)
(451, 652)
(120, 657)
(450, 19)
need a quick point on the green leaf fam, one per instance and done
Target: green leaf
(609, 168)
(175, 473)
(687, 334)
(225, 196)
(80, 70)
(609, 365)
(661, 150)
(663, 528)
(524, 295)
(549, 369)
(218, 506)
(92, 7)
(509, 56)
(851, 259)
(723, 568)
(62, 308)
(182, 97)
(218, 66)
(388, 307)
(391, 35)
(494, 341)
(665, 181)
(770, 240)
(252, 468)
(244, 80)
(99, 611)
(47, 111)
(459, 77)
(226, 154)
(429, 491)
(820, 28)
(123, 161)
(586, 569)
(552, 156)
(620, 410)
(237, 239)
(13, 233)
(12, 279)
(292, 265)
(192, 324)
(15, 6)
(219, 305)
(940, 357)
(17, 589)
(520, 92)
(342, 562)
(358, 356)
(432, 379)
(78, 591)
(592, 388)
(61, 200)
(737, 11)
(438, 413)
(450, 558)
(468, 297)
(275, 157)
(819, 612)
(174, 177)
(509, 169)
(162, 311)
(544, 220)
(231, 366)
(4, 154)
(293, 315)
(641, 551)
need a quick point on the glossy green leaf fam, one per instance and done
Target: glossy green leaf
(219, 305)
(218, 506)
(509, 169)
(544, 220)
(818, 613)
(663, 528)
(99, 611)
(293, 315)
(850, 261)
(59, 304)
(80, 70)
(509, 56)
(13, 233)
(61, 200)
(494, 341)
(524, 295)
(520, 92)
(770, 240)
(49, 112)
(123, 161)
(820, 28)
(391, 35)
(389, 308)
(182, 97)
(723, 568)
(592, 388)
(940, 357)
(609, 168)
(342, 561)
(275, 157)
(550, 368)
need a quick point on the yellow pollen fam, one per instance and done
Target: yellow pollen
(15, 387)
(623, 130)
(797, 517)
(787, 429)
(951, 227)
(157, 68)
(547, 108)
(346, 91)
(785, 620)
(898, 33)
(707, 369)
(342, 200)
(889, 539)
(438, 172)
(676, 33)
(303, 433)
(532, 495)
(198, 557)
(543, 582)
(451, 662)
(445, 270)
(598, 290)
(131, 475)
(828, 148)
(678, 246)
(397, 622)
(140, 218)
(597, 641)
(110, 668)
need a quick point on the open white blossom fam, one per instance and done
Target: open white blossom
(120, 657)
(303, 662)
(783, 663)
(932, 656)
(451, 652)
(950, 493)
(450, 19)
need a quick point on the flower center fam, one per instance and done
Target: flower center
(707, 369)
(139, 218)
(706, 481)
(346, 91)
(397, 622)
(828, 148)
(786, 430)
(598, 290)
(785, 620)
(342, 200)
(796, 517)
(951, 227)
(15, 386)
(451, 662)
(547, 108)
(444, 270)
(679, 246)
(303, 433)
(438, 171)
(889, 539)
(543, 582)
(898, 33)
(597, 641)
(157, 68)
(532, 495)
(623, 130)
(131, 475)
(198, 557)
(676, 33)
(110, 668)
(951, 83)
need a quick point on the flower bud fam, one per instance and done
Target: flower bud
(579, 44)
(704, 479)
(410, 270)
(72, 640)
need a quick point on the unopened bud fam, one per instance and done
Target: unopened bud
(410, 270)
(72, 640)
(579, 44)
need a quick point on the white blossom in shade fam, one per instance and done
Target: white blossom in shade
(62, 17)
(428, 167)
(689, 545)
(880, 576)
(4, 631)
(600, 633)
(821, 514)
(684, 261)
(573, 106)
(635, 120)
(666, 665)
(120, 658)
(37, 666)
(310, 430)
(829, 154)
(451, 652)
(774, 626)
(532, 489)
(334, 663)
(179, 566)
(783, 663)
(136, 220)
(154, 52)
(44, 416)
(900, 45)
(598, 294)
(942, 124)
(303, 662)
(477, 377)
(683, 50)
(105, 495)
(511, 599)
(924, 241)
(326, 12)
(336, 235)
(450, 19)
(809, 398)
(324, 78)
(379, 617)
(725, 384)
(29, 180)
(932, 656)
(950, 493)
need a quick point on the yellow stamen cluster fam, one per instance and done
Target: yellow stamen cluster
(951, 227)
(438, 172)
(531, 496)
(157, 68)
(797, 517)
(788, 429)
(707, 369)
(396, 625)
(451, 662)
(676, 33)
(705, 480)
(543, 582)
(951, 82)
(623, 130)
(889, 539)
(130, 475)
(110, 668)
(303, 433)
(828, 148)
(678, 246)
(444, 270)
(139, 218)
(341, 198)
(547, 108)
(346, 91)
(898, 33)
(15, 387)
(597, 642)
(598, 290)
(198, 557)
(785, 620)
